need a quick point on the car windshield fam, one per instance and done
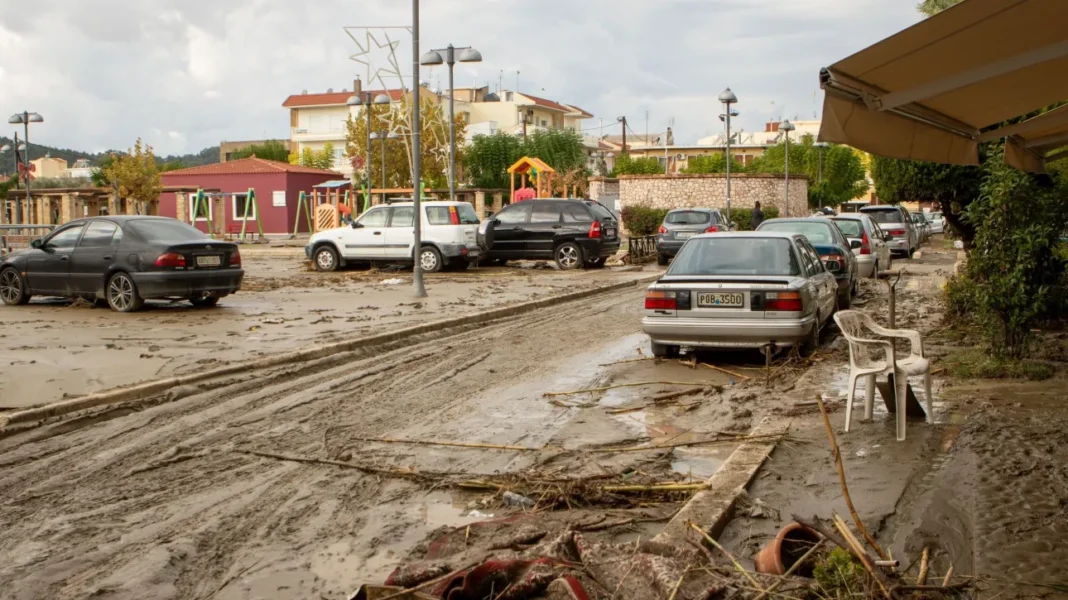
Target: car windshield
(687, 217)
(735, 256)
(166, 231)
(884, 216)
(850, 227)
(815, 231)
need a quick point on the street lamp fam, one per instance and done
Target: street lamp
(787, 127)
(358, 100)
(819, 177)
(24, 118)
(418, 290)
(383, 136)
(727, 97)
(433, 58)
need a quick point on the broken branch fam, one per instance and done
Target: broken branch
(612, 387)
(924, 558)
(733, 560)
(449, 444)
(722, 370)
(686, 444)
(679, 394)
(347, 465)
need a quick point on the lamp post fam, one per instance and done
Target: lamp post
(787, 127)
(3, 205)
(364, 99)
(418, 289)
(383, 136)
(819, 176)
(727, 97)
(25, 118)
(432, 58)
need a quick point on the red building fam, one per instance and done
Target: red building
(278, 186)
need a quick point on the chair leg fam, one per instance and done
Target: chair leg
(901, 383)
(869, 396)
(849, 400)
(928, 397)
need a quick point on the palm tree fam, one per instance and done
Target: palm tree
(933, 7)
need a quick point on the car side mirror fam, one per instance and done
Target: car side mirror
(37, 244)
(496, 221)
(854, 244)
(888, 237)
(356, 225)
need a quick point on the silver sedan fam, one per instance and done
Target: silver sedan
(741, 290)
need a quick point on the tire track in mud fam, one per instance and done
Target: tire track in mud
(180, 529)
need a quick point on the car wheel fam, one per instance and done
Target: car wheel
(664, 350)
(325, 259)
(845, 300)
(568, 256)
(122, 294)
(13, 288)
(812, 340)
(204, 301)
(430, 259)
(458, 264)
(662, 260)
(596, 263)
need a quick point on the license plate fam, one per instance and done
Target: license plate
(721, 300)
(610, 233)
(684, 235)
(209, 261)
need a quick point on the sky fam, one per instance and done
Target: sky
(187, 74)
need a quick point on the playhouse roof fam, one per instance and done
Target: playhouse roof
(527, 163)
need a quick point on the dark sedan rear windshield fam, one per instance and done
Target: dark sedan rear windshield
(166, 231)
(735, 256)
(687, 217)
(885, 216)
(849, 227)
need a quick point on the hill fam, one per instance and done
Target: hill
(206, 156)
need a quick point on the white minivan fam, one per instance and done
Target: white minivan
(386, 234)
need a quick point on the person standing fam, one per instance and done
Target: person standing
(758, 216)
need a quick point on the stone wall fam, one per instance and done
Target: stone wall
(603, 187)
(710, 191)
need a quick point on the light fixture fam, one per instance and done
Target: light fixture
(470, 55)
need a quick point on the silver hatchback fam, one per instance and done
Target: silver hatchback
(682, 224)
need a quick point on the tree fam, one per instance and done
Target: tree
(932, 7)
(137, 175)
(316, 159)
(269, 150)
(953, 187)
(487, 160)
(625, 165)
(99, 175)
(560, 149)
(843, 177)
(715, 163)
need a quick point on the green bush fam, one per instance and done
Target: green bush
(625, 165)
(959, 299)
(838, 575)
(743, 217)
(642, 220)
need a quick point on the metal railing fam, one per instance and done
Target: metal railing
(641, 249)
(18, 237)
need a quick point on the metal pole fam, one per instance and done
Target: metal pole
(451, 60)
(383, 161)
(819, 178)
(16, 206)
(728, 164)
(417, 167)
(367, 163)
(26, 125)
(786, 200)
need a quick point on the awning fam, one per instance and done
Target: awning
(928, 92)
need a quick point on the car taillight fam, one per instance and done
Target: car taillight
(897, 232)
(595, 230)
(786, 301)
(712, 229)
(662, 230)
(660, 300)
(454, 217)
(235, 259)
(865, 244)
(170, 259)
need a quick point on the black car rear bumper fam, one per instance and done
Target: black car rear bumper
(599, 248)
(188, 284)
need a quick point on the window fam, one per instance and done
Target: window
(200, 210)
(165, 231)
(442, 215)
(514, 214)
(339, 155)
(545, 212)
(812, 258)
(64, 239)
(600, 211)
(576, 213)
(98, 234)
(544, 123)
(687, 217)
(735, 256)
(849, 227)
(816, 232)
(278, 198)
(376, 217)
(240, 202)
(885, 215)
(402, 217)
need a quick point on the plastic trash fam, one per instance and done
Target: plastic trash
(477, 514)
(394, 281)
(517, 500)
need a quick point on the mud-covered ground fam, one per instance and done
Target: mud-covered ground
(53, 348)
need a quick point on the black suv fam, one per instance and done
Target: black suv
(574, 233)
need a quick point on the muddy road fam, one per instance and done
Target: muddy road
(156, 500)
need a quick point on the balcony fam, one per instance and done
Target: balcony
(300, 134)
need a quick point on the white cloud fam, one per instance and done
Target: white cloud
(104, 72)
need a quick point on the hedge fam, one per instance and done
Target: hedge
(643, 220)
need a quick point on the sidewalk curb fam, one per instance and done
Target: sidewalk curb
(152, 388)
(711, 509)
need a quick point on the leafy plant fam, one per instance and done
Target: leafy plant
(642, 220)
(625, 165)
(269, 150)
(487, 159)
(839, 576)
(953, 187)
(715, 163)
(743, 217)
(841, 179)
(136, 173)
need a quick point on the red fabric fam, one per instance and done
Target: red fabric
(524, 194)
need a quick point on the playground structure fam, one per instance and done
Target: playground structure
(542, 175)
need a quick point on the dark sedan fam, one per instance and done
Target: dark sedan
(123, 260)
(834, 249)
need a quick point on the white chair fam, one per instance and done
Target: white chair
(862, 363)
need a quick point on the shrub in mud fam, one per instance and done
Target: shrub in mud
(642, 220)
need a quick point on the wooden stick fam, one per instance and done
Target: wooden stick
(620, 411)
(679, 394)
(858, 551)
(949, 575)
(451, 444)
(722, 370)
(407, 591)
(728, 555)
(612, 387)
(842, 480)
(347, 465)
(790, 571)
(922, 578)
(632, 360)
(669, 487)
(685, 444)
(678, 584)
